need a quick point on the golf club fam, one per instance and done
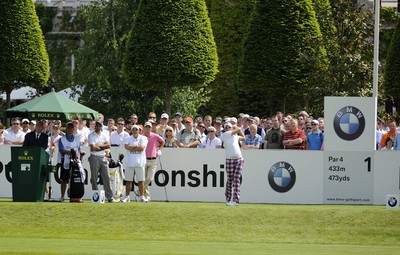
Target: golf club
(165, 188)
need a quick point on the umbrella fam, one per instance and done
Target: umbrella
(52, 106)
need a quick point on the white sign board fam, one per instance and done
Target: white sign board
(348, 177)
(386, 175)
(349, 124)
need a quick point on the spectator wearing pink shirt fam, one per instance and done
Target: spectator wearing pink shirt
(153, 149)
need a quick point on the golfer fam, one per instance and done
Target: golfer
(234, 162)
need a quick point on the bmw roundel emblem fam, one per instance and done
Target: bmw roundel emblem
(392, 202)
(96, 196)
(281, 177)
(349, 123)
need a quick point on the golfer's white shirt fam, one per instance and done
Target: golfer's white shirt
(231, 144)
(96, 139)
(136, 158)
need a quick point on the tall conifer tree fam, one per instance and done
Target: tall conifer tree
(280, 54)
(392, 71)
(171, 45)
(23, 56)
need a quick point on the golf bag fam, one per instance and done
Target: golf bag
(117, 176)
(77, 179)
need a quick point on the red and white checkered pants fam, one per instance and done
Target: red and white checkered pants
(233, 169)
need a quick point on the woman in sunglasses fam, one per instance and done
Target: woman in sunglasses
(170, 140)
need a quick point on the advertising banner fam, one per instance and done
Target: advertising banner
(348, 177)
(349, 124)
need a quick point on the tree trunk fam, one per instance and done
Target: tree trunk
(8, 104)
(167, 103)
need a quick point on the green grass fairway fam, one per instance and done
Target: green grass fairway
(196, 228)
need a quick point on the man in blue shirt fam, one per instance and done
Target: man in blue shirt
(315, 138)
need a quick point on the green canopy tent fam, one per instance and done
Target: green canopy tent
(52, 106)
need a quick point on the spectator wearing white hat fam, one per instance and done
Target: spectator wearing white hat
(32, 124)
(25, 126)
(247, 120)
(163, 125)
(135, 146)
(210, 141)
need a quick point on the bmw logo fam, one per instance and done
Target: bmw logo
(96, 196)
(349, 123)
(392, 202)
(281, 177)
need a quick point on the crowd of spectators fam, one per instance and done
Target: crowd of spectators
(276, 132)
(279, 131)
(290, 132)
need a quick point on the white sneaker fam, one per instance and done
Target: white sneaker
(148, 199)
(126, 199)
(232, 203)
(112, 200)
(143, 199)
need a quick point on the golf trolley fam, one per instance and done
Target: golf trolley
(116, 171)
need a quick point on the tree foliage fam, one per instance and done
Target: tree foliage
(23, 57)
(229, 22)
(350, 72)
(279, 56)
(170, 45)
(98, 77)
(392, 70)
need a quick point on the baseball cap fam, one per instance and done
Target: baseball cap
(148, 123)
(228, 125)
(33, 122)
(233, 119)
(188, 119)
(135, 127)
(164, 116)
(178, 114)
(315, 122)
(25, 120)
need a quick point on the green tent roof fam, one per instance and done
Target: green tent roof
(52, 106)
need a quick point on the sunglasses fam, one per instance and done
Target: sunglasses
(202, 126)
(120, 124)
(210, 131)
(309, 127)
(168, 131)
(152, 117)
(313, 124)
(15, 123)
